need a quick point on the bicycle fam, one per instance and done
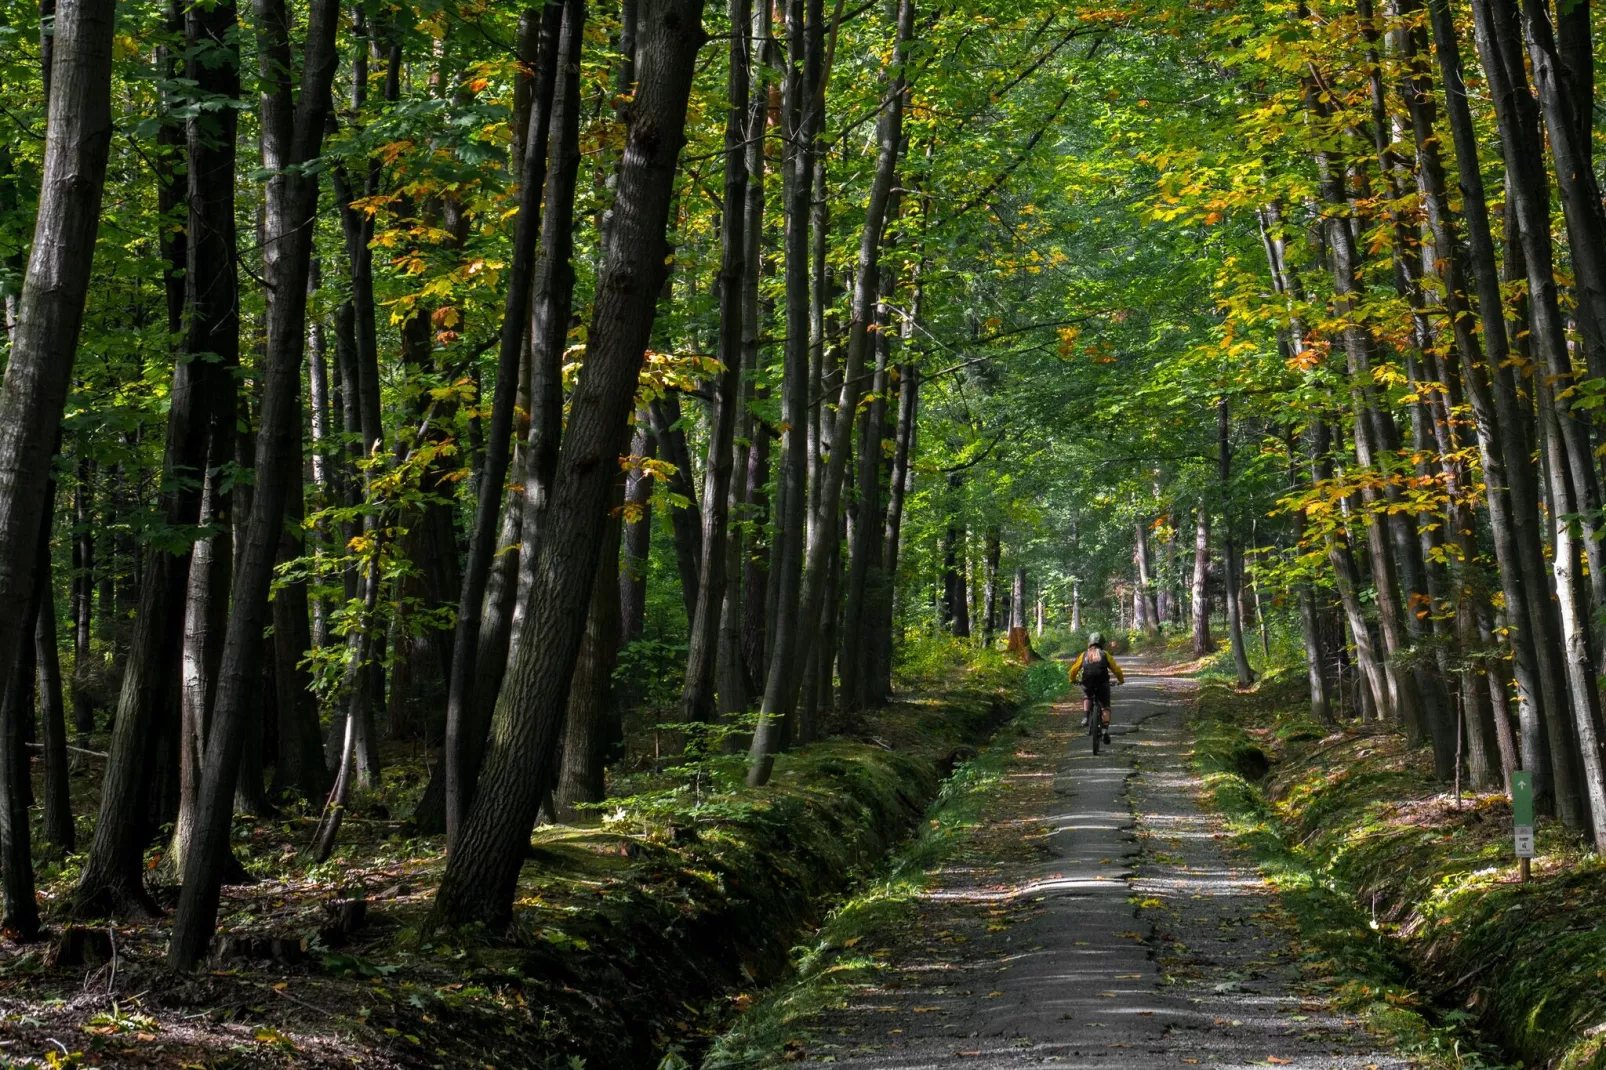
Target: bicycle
(1099, 726)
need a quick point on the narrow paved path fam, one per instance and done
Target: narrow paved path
(1096, 920)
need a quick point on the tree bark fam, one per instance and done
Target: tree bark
(292, 135)
(989, 586)
(637, 535)
(1200, 592)
(58, 823)
(697, 699)
(461, 724)
(1144, 556)
(482, 873)
(780, 692)
(686, 521)
(1564, 434)
(587, 732)
(881, 637)
(50, 311)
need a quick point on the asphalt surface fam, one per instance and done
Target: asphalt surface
(1097, 920)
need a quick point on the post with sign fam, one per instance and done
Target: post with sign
(1522, 819)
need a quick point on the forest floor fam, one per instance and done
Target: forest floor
(1096, 914)
(636, 933)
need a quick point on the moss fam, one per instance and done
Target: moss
(1409, 898)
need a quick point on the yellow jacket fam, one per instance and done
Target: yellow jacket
(1076, 667)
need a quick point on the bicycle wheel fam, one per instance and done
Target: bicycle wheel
(1097, 733)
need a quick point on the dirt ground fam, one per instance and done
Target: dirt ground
(1097, 919)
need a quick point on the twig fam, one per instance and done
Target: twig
(297, 1000)
(69, 746)
(111, 979)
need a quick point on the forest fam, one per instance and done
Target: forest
(432, 423)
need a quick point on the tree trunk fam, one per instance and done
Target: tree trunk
(1232, 566)
(20, 915)
(587, 725)
(299, 766)
(637, 535)
(460, 752)
(58, 822)
(83, 596)
(989, 586)
(779, 693)
(482, 872)
(1144, 556)
(697, 699)
(50, 312)
(1563, 433)
(686, 521)
(292, 135)
(1200, 596)
(898, 489)
(1491, 388)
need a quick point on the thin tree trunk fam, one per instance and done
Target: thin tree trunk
(637, 535)
(1571, 476)
(989, 586)
(292, 135)
(482, 872)
(891, 538)
(1200, 597)
(697, 699)
(461, 724)
(783, 667)
(780, 692)
(1507, 463)
(43, 343)
(587, 735)
(1145, 560)
(58, 822)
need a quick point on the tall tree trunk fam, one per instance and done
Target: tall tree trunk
(299, 766)
(58, 823)
(1564, 434)
(1232, 566)
(685, 521)
(587, 730)
(637, 535)
(20, 914)
(292, 136)
(1144, 555)
(991, 553)
(783, 667)
(482, 872)
(83, 589)
(779, 692)
(880, 688)
(1491, 389)
(45, 336)
(1200, 592)
(697, 699)
(1372, 681)
(461, 723)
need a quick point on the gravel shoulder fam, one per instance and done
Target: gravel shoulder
(1096, 917)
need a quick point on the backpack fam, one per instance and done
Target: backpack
(1095, 671)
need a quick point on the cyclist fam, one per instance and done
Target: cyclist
(1094, 665)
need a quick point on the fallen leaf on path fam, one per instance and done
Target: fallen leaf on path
(1278, 1062)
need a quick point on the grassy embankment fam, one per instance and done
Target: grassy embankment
(636, 936)
(1404, 899)
(845, 954)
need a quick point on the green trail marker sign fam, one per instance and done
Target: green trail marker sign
(1522, 812)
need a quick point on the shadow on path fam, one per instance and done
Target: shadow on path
(1095, 920)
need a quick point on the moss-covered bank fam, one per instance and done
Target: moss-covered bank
(1406, 898)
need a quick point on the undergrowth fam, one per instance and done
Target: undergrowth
(1406, 901)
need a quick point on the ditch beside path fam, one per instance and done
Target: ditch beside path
(1095, 919)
